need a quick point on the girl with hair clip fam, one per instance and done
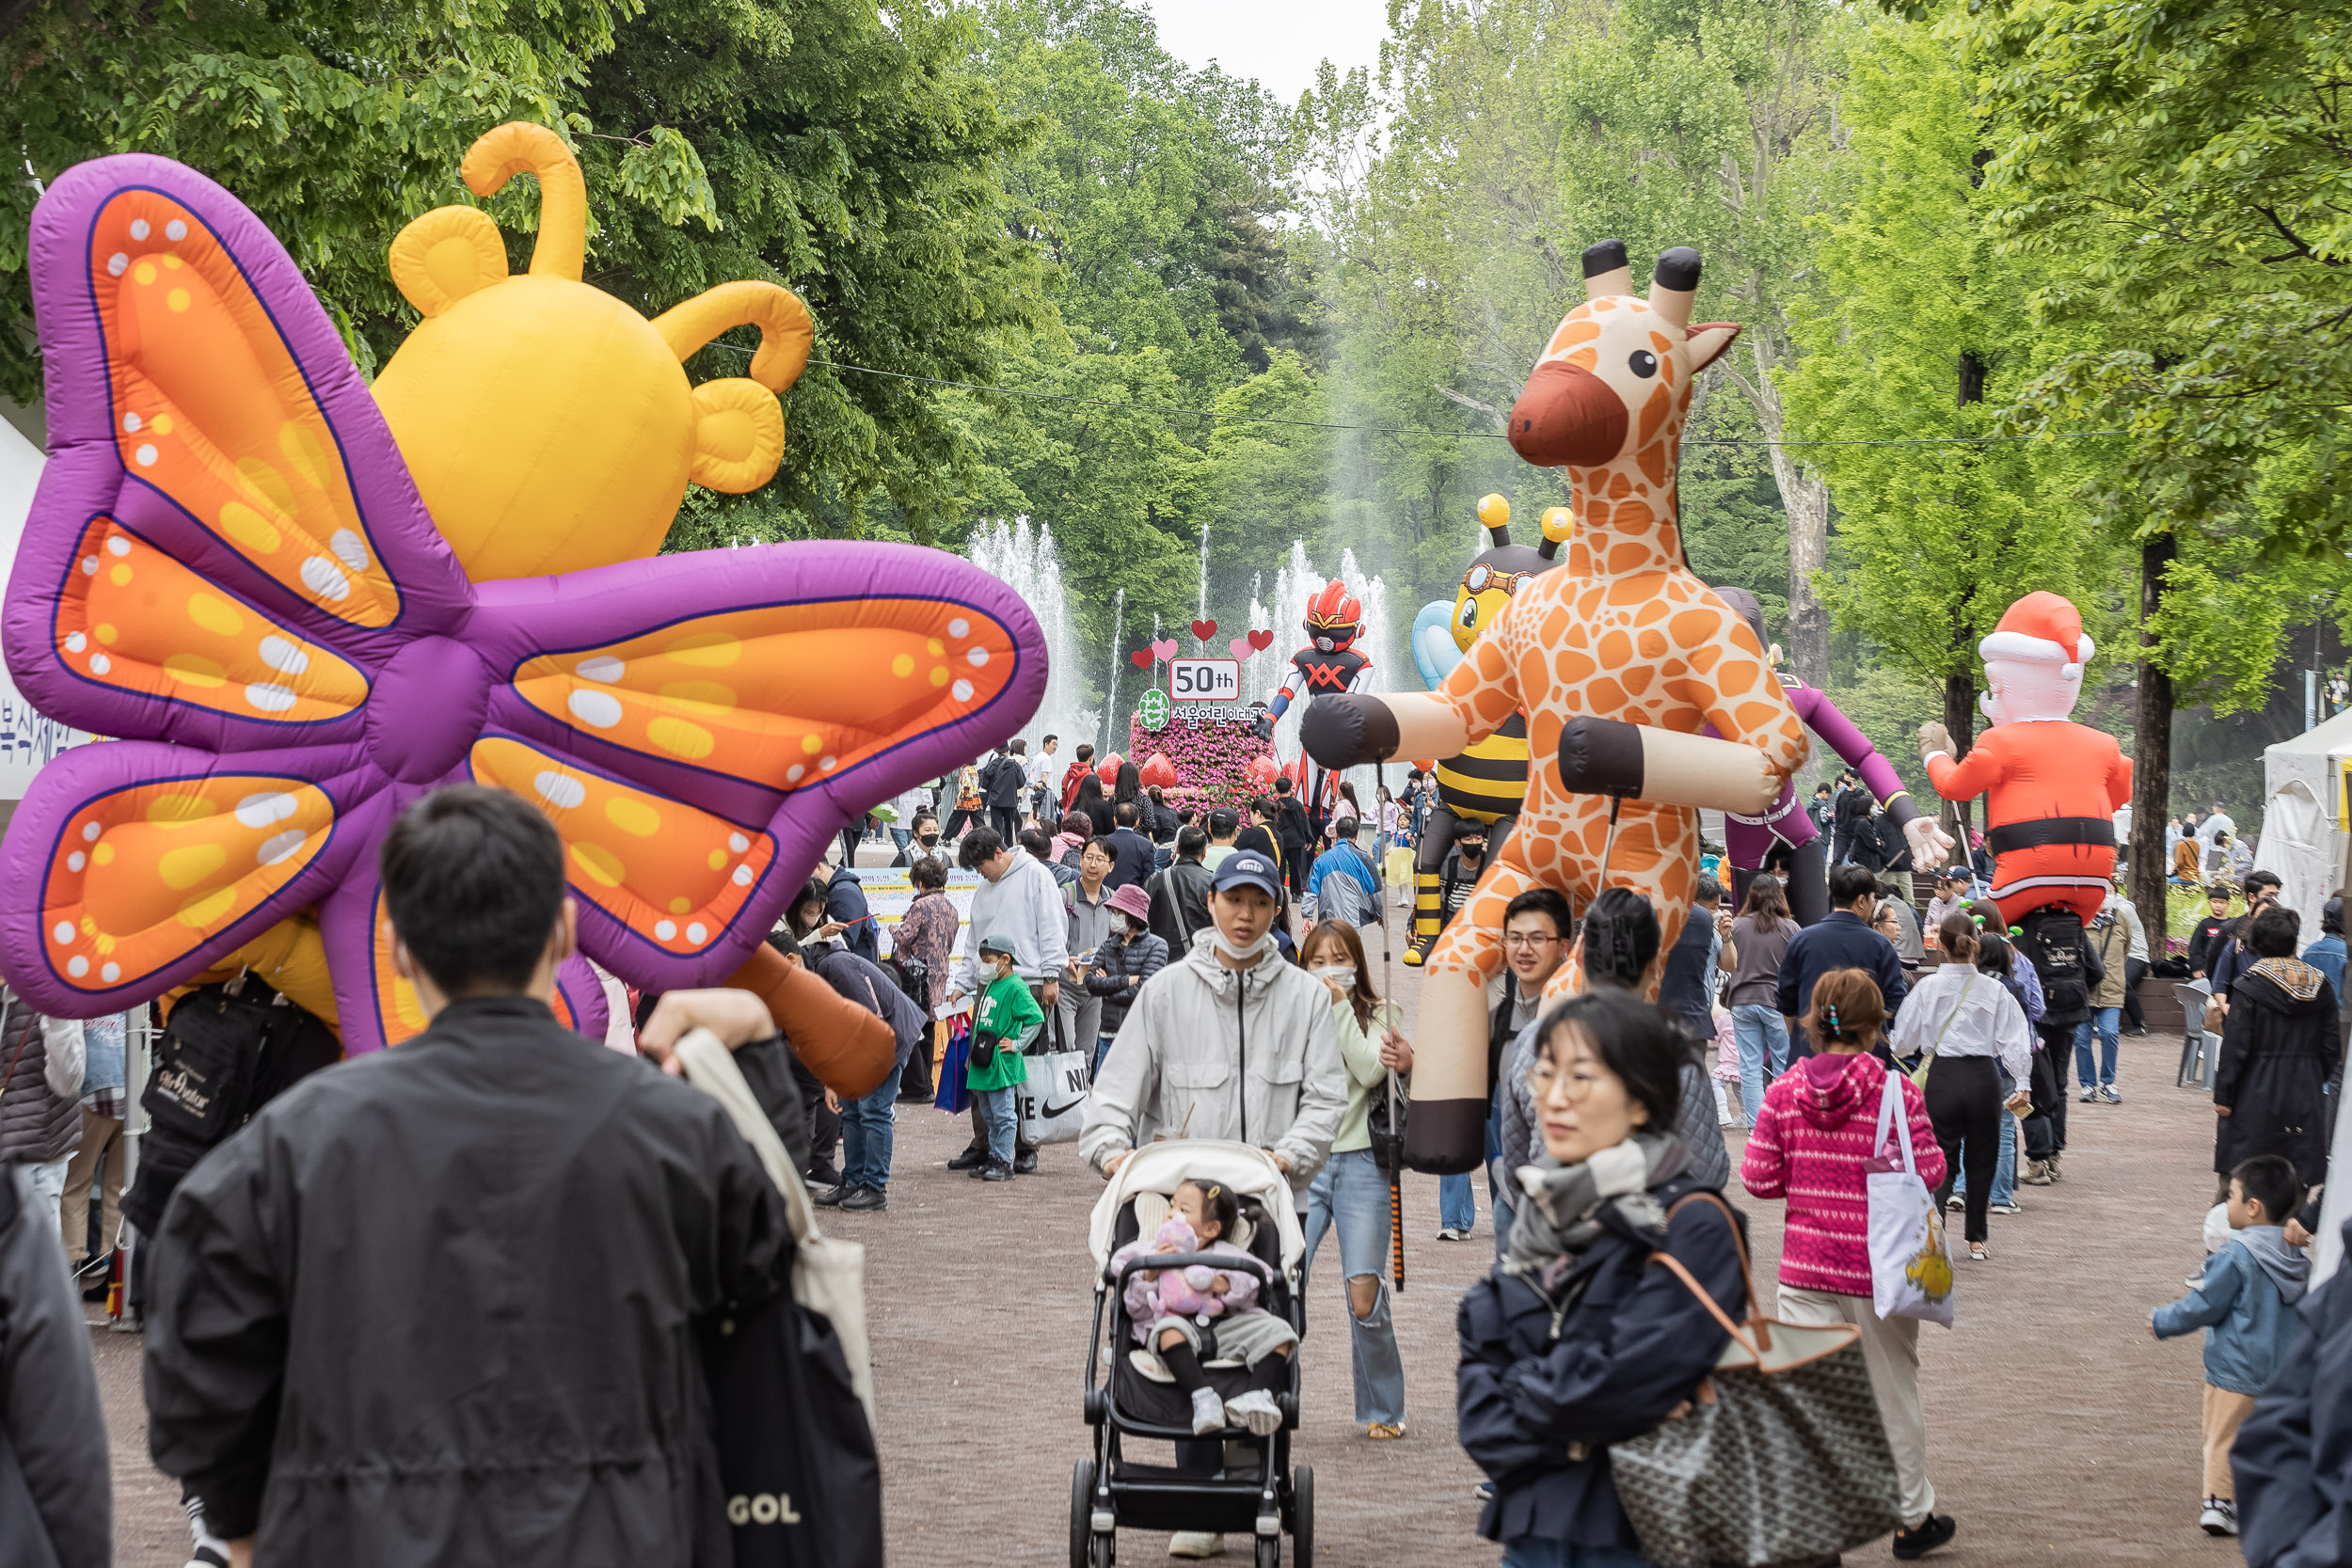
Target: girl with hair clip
(1812, 1147)
(1197, 1313)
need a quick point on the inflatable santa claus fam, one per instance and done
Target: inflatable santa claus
(2052, 786)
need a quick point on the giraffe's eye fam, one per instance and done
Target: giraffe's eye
(1643, 363)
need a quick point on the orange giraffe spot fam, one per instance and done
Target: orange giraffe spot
(1652, 645)
(1756, 718)
(1585, 358)
(1616, 650)
(1657, 461)
(1594, 513)
(1692, 628)
(1573, 331)
(1626, 591)
(1575, 668)
(1628, 558)
(1654, 413)
(1638, 679)
(1555, 625)
(1736, 676)
(1620, 487)
(1655, 610)
(1605, 697)
(1704, 658)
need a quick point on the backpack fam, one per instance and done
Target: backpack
(2053, 943)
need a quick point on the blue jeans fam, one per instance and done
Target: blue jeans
(2106, 1020)
(1351, 1195)
(1457, 1205)
(1102, 1049)
(901, 837)
(2005, 1169)
(1762, 1034)
(866, 1128)
(997, 1115)
(1534, 1551)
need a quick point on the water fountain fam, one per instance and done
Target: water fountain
(1025, 560)
(1119, 656)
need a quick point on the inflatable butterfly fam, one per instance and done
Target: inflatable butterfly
(233, 568)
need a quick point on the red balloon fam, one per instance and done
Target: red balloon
(1158, 771)
(1107, 769)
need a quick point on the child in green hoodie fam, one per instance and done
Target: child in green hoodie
(1007, 1020)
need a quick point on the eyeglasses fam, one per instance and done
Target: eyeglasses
(1526, 938)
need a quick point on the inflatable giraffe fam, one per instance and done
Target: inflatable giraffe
(1619, 659)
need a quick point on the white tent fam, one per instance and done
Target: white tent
(2302, 837)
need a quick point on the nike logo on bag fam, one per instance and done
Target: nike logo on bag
(1047, 1113)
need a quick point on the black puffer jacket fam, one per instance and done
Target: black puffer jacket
(37, 1123)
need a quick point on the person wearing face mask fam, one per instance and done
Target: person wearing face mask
(1130, 954)
(1349, 1194)
(1229, 1041)
(922, 843)
(927, 934)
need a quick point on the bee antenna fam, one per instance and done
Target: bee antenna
(522, 147)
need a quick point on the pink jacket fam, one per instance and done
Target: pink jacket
(1809, 1147)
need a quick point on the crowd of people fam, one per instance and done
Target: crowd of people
(1210, 966)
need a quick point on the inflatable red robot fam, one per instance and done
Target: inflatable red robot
(1329, 663)
(2052, 786)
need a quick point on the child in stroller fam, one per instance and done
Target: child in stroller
(1191, 1313)
(1235, 1475)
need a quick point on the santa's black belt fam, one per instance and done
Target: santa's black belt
(2096, 832)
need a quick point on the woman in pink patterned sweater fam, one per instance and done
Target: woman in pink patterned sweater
(1810, 1145)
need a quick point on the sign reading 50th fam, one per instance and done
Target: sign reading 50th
(1204, 680)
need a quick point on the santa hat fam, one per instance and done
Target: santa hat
(2041, 628)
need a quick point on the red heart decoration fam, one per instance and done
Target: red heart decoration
(1262, 638)
(1140, 659)
(1204, 630)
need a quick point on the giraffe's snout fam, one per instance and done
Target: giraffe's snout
(1567, 415)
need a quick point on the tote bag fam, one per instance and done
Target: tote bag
(1910, 1273)
(1053, 1103)
(1783, 1457)
(791, 1386)
(953, 1097)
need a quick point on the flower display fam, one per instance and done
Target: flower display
(1211, 759)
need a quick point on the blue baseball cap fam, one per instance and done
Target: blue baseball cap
(1249, 869)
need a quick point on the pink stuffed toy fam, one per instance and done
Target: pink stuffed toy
(1184, 1292)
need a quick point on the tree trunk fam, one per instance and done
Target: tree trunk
(2152, 749)
(1960, 717)
(1805, 498)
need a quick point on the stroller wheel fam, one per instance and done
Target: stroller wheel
(1303, 1515)
(1082, 1515)
(1269, 1552)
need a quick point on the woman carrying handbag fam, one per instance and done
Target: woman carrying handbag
(1814, 1145)
(1575, 1341)
(1967, 1030)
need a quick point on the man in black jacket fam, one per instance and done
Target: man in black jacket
(1296, 833)
(439, 1306)
(1843, 940)
(868, 1124)
(1132, 858)
(1003, 782)
(1179, 895)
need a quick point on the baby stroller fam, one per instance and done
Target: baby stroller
(1253, 1491)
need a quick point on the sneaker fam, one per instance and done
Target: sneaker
(2088, 1097)
(834, 1197)
(865, 1201)
(2219, 1517)
(1957, 1203)
(2108, 1093)
(2012, 1207)
(1257, 1411)
(1485, 1491)
(1208, 1413)
(1385, 1432)
(1025, 1164)
(970, 1158)
(1451, 1234)
(1196, 1543)
(210, 1555)
(995, 1171)
(1929, 1533)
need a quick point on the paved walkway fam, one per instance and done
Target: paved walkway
(2058, 1432)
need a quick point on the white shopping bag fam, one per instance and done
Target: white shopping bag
(1053, 1103)
(1910, 1273)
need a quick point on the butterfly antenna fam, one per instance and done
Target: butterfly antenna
(785, 330)
(522, 147)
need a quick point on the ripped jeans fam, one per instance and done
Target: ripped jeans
(1350, 1195)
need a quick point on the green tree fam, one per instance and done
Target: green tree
(2181, 173)
(1914, 329)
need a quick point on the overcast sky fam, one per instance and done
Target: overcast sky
(1278, 42)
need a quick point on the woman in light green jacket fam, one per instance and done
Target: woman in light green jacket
(1351, 1194)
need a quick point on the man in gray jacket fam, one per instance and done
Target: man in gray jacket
(1018, 900)
(1230, 1041)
